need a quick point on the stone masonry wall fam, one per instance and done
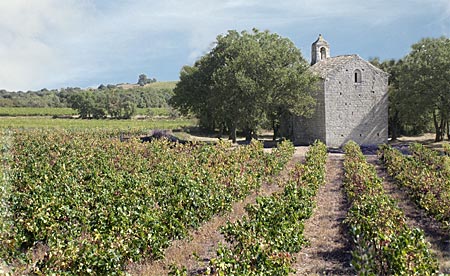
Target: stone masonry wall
(356, 111)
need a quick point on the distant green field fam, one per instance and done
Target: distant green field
(156, 85)
(164, 84)
(52, 111)
(120, 125)
(36, 111)
(155, 111)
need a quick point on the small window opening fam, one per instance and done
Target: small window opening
(360, 135)
(357, 76)
(323, 53)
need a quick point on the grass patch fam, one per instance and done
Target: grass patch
(36, 122)
(37, 111)
(153, 111)
(163, 85)
(67, 111)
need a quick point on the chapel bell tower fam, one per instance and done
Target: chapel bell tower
(320, 50)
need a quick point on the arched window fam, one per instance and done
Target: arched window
(357, 76)
(323, 53)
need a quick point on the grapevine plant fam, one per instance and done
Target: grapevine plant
(383, 243)
(92, 204)
(426, 175)
(262, 243)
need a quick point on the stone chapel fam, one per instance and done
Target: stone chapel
(352, 101)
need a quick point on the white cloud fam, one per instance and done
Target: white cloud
(49, 43)
(31, 32)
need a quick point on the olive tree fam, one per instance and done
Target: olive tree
(424, 83)
(246, 79)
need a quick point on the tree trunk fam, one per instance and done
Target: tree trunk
(394, 122)
(233, 132)
(221, 129)
(276, 129)
(448, 130)
(248, 136)
(394, 134)
(438, 128)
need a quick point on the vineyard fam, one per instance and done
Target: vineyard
(262, 243)
(91, 203)
(86, 202)
(384, 244)
(426, 174)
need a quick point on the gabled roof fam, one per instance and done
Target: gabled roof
(324, 67)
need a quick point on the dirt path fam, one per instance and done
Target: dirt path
(195, 252)
(329, 251)
(416, 217)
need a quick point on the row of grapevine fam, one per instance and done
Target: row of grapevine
(5, 190)
(426, 175)
(383, 243)
(262, 243)
(93, 205)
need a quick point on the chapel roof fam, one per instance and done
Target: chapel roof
(324, 67)
(320, 40)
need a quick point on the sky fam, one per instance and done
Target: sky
(84, 43)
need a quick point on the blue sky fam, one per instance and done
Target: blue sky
(84, 43)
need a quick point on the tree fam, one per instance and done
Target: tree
(83, 102)
(143, 80)
(425, 83)
(120, 104)
(247, 78)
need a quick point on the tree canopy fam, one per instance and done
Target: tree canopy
(419, 88)
(247, 79)
(143, 80)
(425, 83)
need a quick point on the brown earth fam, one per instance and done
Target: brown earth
(329, 249)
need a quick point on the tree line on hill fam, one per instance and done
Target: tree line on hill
(113, 101)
